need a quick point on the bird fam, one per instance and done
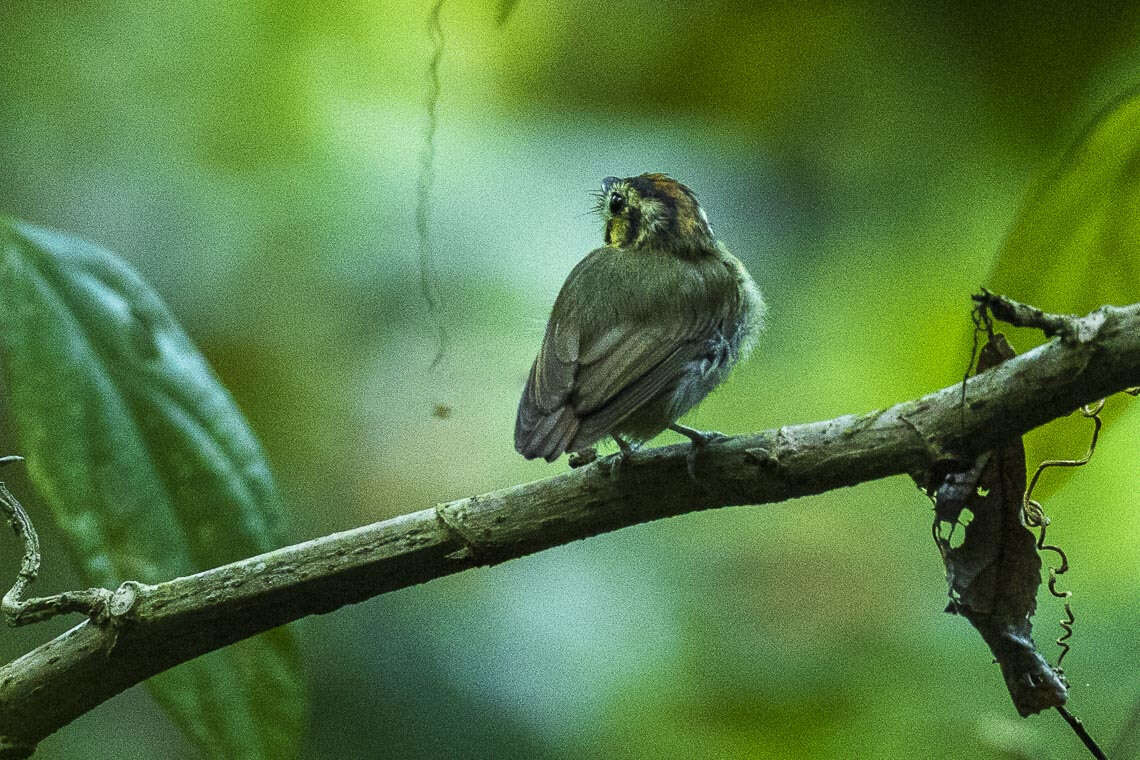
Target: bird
(642, 329)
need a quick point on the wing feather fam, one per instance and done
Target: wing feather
(568, 405)
(639, 349)
(598, 365)
(659, 379)
(545, 422)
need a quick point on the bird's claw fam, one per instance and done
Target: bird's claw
(699, 439)
(691, 461)
(615, 461)
(708, 436)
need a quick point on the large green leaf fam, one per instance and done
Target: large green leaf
(1076, 243)
(1074, 246)
(147, 465)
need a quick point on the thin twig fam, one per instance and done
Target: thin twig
(92, 601)
(1022, 315)
(1079, 729)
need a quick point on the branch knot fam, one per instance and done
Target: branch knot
(452, 516)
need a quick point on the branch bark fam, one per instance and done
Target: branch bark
(149, 628)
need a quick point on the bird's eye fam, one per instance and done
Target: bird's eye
(617, 202)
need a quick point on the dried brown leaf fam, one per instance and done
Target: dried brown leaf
(995, 573)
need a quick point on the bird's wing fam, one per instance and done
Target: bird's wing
(546, 423)
(646, 362)
(581, 387)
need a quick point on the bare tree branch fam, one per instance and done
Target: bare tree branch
(17, 611)
(151, 628)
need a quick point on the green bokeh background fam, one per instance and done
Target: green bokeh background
(256, 160)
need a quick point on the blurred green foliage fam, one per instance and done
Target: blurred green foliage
(256, 161)
(127, 436)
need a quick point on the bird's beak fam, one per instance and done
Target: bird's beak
(609, 182)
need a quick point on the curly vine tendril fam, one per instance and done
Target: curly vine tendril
(1034, 516)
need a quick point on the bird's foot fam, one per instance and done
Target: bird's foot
(615, 461)
(700, 439)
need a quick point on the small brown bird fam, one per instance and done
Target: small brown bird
(642, 329)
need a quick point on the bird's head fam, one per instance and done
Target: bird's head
(654, 211)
